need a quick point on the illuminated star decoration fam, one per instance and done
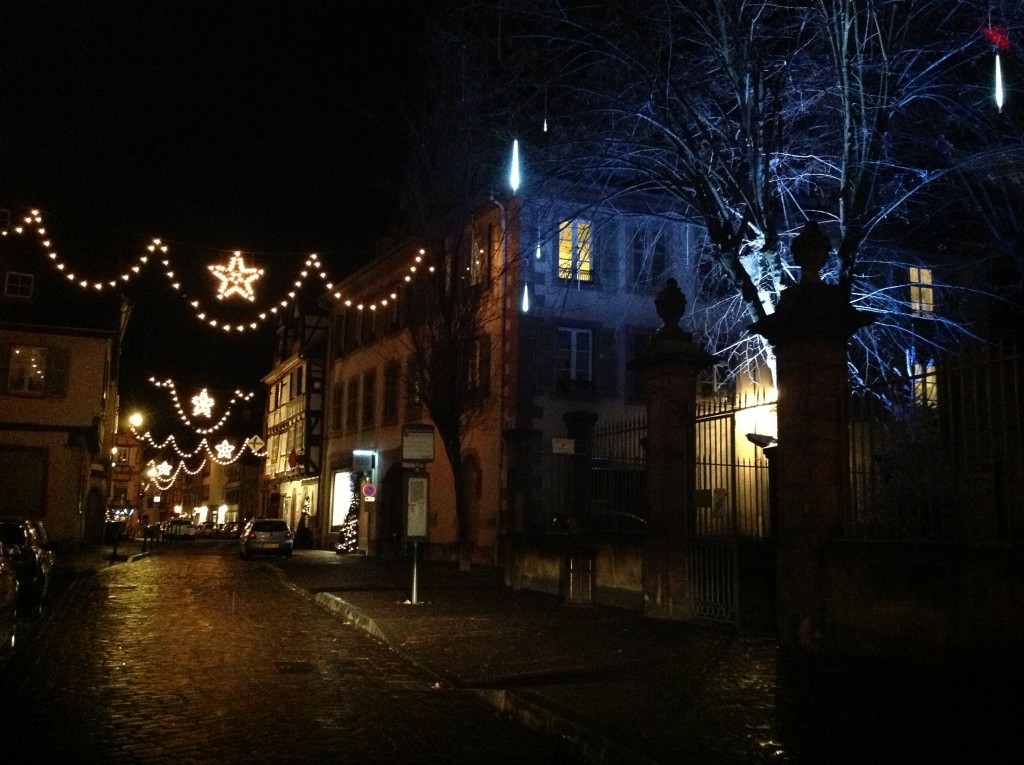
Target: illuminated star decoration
(202, 404)
(164, 468)
(236, 278)
(224, 449)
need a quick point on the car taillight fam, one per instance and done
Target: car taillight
(288, 535)
(252, 535)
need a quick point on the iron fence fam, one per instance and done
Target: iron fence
(599, 484)
(939, 457)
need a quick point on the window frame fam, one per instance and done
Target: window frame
(19, 285)
(24, 365)
(575, 255)
(921, 293)
(574, 381)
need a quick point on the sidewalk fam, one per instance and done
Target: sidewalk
(609, 682)
(617, 687)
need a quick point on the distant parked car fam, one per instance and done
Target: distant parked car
(180, 528)
(28, 549)
(8, 603)
(270, 536)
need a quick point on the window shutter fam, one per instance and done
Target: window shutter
(605, 253)
(57, 369)
(606, 360)
(537, 350)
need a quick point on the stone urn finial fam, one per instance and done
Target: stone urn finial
(670, 303)
(810, 250)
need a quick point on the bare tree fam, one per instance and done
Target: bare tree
(452, 159)
(758, 115)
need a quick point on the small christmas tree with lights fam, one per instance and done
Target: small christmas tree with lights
(347, 535)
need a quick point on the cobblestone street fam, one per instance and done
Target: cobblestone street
(195, 656)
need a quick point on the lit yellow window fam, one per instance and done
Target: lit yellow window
(925, 390)
(921, 300)
(574, 251)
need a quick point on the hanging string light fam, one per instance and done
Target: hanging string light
(999, 85)
(223, 453)
(201, 405)
(236, 278)
(1000, 39)
(32, 223)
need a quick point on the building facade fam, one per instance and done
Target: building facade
(58, 391)
(294, 423)
(565, 299)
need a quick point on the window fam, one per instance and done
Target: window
(573, 358)
(478, 258)
(337, 401)
(574, 251)
(921, 299)
(368, 319)
(369, 399)
(18, 285)
(478, 366)
(925, 389)
(26, 370)
(389, 412)
(648, 258)
(352, 404)
(413, 390)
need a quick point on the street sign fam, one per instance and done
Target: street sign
(369, 492)
(417, 443)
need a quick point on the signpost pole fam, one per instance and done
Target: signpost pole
(415, 563)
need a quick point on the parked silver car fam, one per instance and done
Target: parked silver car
(266, 536)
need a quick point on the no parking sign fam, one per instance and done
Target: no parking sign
(369, 492)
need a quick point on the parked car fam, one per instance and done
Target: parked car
(269, 536)
(180, 528)
(33, 556)
(8, 603)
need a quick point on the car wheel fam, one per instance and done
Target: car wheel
(288, 554)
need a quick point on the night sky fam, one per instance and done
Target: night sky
(266, 126)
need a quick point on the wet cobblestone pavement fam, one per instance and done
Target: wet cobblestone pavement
(193, 655)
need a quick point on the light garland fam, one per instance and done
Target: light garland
(391, 296)
(33, 222)
(204, 315)
(200, 405)
(236, 279)
(226, 454)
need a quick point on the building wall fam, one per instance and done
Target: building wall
(613, 306)
(56, 432)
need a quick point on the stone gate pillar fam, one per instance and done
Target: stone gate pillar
(810, 332)
(669, 366)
